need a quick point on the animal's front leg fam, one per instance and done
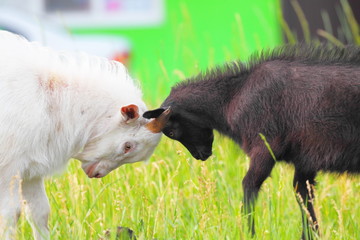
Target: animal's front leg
(37, 207)
(10, 207)
(303, 185)
(261, 165)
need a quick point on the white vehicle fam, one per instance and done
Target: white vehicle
(35, 28)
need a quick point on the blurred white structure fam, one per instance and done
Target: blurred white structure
(36, 27)
(97, 13)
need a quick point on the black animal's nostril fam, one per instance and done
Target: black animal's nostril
(204, 156)
(202, 153)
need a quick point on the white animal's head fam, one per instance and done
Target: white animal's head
(130, 138)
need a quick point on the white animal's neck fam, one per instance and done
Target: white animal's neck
(87, 88)
(83, 110)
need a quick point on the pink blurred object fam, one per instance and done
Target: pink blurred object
(113, 5)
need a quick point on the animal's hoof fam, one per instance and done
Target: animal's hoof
(122, 233)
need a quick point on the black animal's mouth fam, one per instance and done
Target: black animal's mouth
(200, 155)
(199, 152)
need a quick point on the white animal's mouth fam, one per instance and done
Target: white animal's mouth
(91, 171)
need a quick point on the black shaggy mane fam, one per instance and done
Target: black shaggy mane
(300, 53)
(310, 54)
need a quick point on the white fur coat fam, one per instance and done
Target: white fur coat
(54, 106)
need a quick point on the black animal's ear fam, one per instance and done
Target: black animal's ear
(153, 113)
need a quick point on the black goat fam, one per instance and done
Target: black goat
(304, 99)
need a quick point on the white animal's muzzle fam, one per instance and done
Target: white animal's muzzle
(91, 170)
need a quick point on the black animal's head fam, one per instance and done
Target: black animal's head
(188, 129)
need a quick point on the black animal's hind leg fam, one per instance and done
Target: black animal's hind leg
(260, 169)
(303, 185)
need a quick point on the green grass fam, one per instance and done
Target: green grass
(177, 197)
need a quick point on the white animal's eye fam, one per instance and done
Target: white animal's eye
(127, 147)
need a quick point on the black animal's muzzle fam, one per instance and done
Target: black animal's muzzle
(201, 155)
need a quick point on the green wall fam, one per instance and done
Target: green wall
(197, 34)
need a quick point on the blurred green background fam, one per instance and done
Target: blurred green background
(196, 35)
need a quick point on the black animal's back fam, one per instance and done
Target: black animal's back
(308, 112)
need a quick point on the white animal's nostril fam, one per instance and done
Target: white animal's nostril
(90, 169)
(98, 175)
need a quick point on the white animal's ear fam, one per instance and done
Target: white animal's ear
(130, 112)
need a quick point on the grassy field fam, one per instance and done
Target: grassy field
(174, 196)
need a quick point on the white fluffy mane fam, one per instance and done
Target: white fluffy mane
(75, 68)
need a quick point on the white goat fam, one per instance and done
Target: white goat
(55, 106)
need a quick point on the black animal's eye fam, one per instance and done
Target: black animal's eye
(171, 134)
